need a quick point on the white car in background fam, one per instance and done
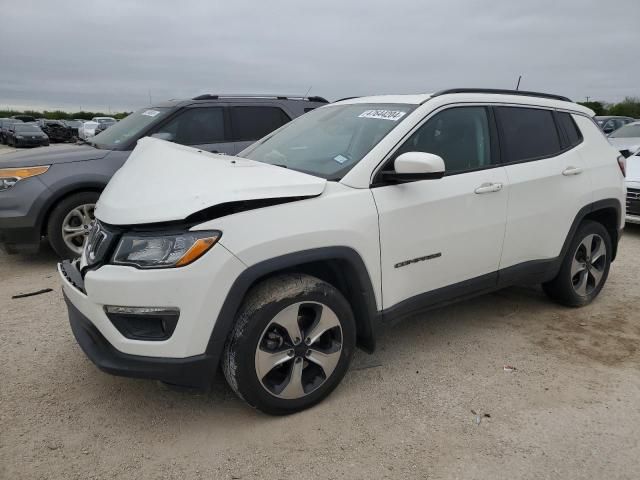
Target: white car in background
(626, 139)
(633, 188)
(88, 129)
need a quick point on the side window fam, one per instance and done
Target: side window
(528, 133)
(460, 135)
(252, 123)
(197, 126)
(571, 130)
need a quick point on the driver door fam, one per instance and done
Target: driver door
(446, 232)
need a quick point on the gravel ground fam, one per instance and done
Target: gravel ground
(570, 409)
(7, 149)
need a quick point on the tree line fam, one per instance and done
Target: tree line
(629, 107)
(60, 115)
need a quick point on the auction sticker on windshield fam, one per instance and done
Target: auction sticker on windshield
(393, 115)
(150, 113)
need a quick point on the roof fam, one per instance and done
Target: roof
(479, 95)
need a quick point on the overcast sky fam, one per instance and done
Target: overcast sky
(114, 53)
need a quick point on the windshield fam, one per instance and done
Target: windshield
(628, 131)
(329, 141)
(26, 128)
(128, 128)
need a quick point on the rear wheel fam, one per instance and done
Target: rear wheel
(291, 345)
(585, 267)
(70, 222)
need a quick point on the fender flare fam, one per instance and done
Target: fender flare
(587, 210)
(366, 313)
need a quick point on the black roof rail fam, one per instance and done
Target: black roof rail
(499, 91)
(208, 96)
(345, 98)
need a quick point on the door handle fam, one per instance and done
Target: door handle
(488, 188)
(571, 171)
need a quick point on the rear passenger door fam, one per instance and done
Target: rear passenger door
(252, 122)
(548, 181)
(205, 128)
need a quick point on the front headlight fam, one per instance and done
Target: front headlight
(163, 251)
(10, 176)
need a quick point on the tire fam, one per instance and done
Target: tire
(313, 305)
(585, 267)
(71, 213)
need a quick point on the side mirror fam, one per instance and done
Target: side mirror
(413, 166)
(163, 136)
(607, 130)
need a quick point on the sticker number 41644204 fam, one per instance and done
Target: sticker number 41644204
(393, 115)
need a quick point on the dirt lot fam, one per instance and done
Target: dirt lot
(570, 410)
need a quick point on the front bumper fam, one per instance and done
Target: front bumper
(21, 209)
(198, 290)
(196, 371)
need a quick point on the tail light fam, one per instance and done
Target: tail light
(622, 163)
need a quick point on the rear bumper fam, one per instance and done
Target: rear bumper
(197, 371)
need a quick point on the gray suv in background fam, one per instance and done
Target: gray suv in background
(53, 192)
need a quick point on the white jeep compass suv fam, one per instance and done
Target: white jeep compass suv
(276, 263)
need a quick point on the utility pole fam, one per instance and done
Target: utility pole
(587, 97)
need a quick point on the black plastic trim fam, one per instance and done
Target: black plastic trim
(72, 274)
(236, 295)
(439, 297)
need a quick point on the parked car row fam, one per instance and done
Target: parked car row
(56, 131)
(16, 133)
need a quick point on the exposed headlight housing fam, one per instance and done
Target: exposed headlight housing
(148, 250)
(10, 176)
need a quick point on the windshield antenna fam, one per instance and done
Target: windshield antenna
(518, 85)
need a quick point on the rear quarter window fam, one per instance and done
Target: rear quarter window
(571, 130)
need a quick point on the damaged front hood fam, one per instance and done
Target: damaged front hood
(163, 181)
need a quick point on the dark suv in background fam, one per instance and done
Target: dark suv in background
(53, 192)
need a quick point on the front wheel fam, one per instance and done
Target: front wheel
(291, 345)
(70, 222)
(585, 267)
